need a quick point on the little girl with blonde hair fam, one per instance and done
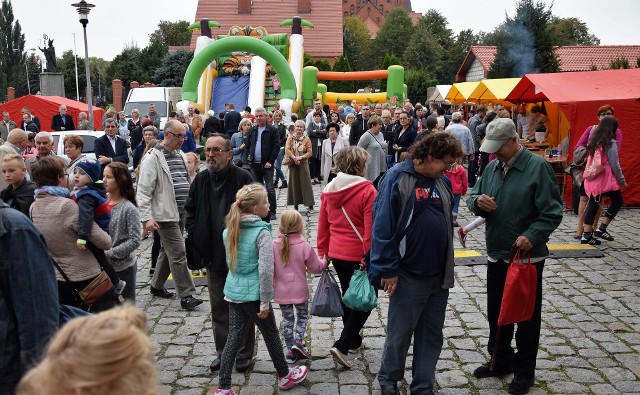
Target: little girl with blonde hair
(249, 285)
(294, 256)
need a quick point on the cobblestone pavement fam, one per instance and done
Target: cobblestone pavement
(590, 341)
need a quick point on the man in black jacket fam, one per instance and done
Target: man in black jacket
(359, 126)
(210, 197)
(62, 121)
(111, 147)
(263, 145)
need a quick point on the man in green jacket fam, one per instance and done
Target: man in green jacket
(519, 197)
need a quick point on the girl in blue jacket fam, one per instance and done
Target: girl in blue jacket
(249, 285)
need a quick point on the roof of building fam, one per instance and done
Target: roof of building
(571, 58)
(324, 41)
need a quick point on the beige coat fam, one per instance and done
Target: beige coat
(56, 217)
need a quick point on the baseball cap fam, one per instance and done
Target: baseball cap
(498, 132)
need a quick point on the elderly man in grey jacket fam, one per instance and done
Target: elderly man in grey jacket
(163, 188)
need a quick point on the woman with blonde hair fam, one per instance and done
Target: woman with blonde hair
(106, 353)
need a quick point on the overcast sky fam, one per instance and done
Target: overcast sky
(115, 24)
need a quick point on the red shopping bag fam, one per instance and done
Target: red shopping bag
(519, 295)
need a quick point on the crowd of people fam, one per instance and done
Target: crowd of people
(393, 180)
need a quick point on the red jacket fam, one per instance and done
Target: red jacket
(458, 178)
(336, 237)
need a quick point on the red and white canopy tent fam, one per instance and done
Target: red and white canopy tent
(579, 95)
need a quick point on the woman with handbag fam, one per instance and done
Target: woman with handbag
(602, 179)
(296, 155)
(344, 236)
(56, 216)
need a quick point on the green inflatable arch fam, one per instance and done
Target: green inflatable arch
(241, 43)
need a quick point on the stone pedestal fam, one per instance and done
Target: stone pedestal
(52, 84)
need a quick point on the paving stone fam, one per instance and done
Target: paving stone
(583, 375)
(451, 378)
(324, 388)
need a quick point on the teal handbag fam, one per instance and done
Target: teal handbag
(360, 296)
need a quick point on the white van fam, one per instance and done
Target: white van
(165, 99)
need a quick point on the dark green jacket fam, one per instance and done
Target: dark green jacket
(528, 204)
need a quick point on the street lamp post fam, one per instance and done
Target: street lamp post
(83, 10)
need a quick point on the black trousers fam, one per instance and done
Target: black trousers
(527, 334)
(353, 321)
(472, 169)
(594, 203)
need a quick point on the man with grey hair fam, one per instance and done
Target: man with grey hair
(462, 133)
(62, 121)
(6, 126)
(162, 193)
(16, 143)
(263, 146)
(210, 197)
(111, 147)
(34, 119)
(44, 145)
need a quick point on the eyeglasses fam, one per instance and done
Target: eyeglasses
(178, 136)
(216, 150)
(605, 114)
(403, 118)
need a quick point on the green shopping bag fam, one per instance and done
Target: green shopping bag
(360, 296)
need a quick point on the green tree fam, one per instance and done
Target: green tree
(356, 43)
(389, 60)
(173, 67)
(620, 63)
(393, 35)
(571, 31)
(127, 67)
(461, 46)
(171, 33)
(342, 65)
(424, 52)
(66, 66)
(12, 55)
(418, 81)
(526, 46)
(34, 65)
(151, 56)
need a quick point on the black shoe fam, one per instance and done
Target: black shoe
(275, 184)
(284, 184)
(272, 216)
(215, 365)
(161, 293)
(242, 365)
(520, 385)
(591, 241)
(295, 207)
(152, 270)
(484, 371)
(389, 389)
(603, 235)
(190, 303)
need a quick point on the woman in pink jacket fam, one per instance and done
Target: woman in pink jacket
(344, 235)
(293, 256)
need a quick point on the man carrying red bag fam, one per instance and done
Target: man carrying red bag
(519, 197)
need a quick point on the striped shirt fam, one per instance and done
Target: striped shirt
(179, 176)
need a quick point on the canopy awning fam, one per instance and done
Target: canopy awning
(494, 90)
(460, 92)
(440, 94)
(583, 86)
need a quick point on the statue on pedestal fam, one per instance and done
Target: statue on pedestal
(50, 56)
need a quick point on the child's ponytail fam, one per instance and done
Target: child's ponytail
(247, 198)
(290, 223)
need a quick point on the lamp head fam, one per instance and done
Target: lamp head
(83, 10)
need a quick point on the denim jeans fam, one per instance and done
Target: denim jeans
(265, 176)
(129, 275)
(416, 309)
(456, 206)
(279, 173)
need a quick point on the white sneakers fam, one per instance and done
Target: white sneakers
(296, 375)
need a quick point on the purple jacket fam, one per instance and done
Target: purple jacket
(290, 281)
(584, 139)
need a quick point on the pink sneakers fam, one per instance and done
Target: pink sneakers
(224, 392)
(296, 375)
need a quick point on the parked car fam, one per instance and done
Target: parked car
(88, 137)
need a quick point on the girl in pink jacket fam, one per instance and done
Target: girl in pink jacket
(294, 256)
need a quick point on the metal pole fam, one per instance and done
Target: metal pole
(86, 70)
(26, 67)
(75, 61)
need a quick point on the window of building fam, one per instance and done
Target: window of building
(346, 14)
(368, 11)
(358, 4)
(381, 8)
(351, 9)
